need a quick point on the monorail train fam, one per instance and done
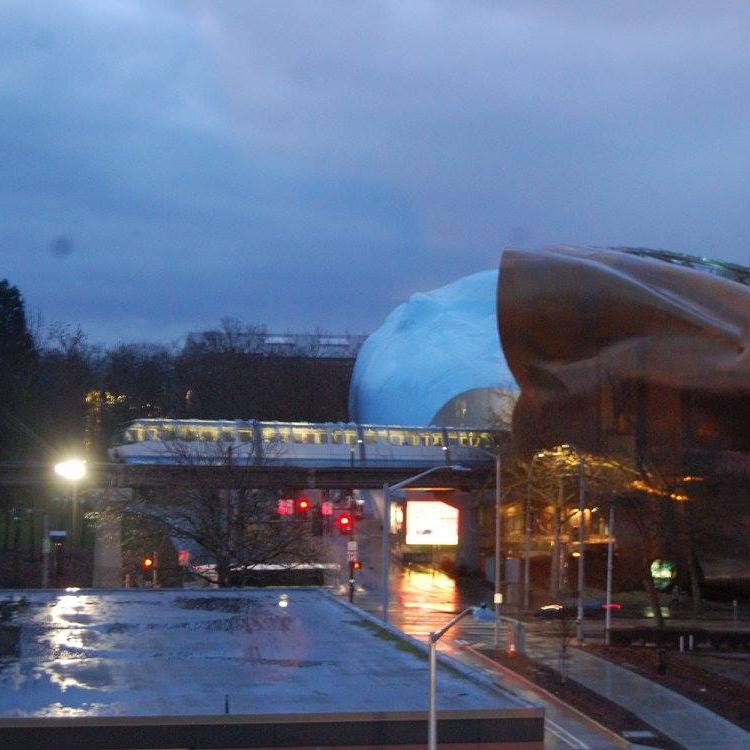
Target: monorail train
(175, 441)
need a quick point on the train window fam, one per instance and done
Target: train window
(227, 435)
(396, 437)
(453, 438)
(412, 438)
(269, 434)
(283, 435)
(424, 438)
(152, 433)
(307, 436)
(168, 432)
(130, 436)
(371, 437)
(485, 440)
(188, 434)
(383, 437)
(208, 435)
(339, 437)
(246, 436)
(437, 438)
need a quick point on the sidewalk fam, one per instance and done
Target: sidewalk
(670, 713)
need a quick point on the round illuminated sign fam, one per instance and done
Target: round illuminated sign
(664, 574)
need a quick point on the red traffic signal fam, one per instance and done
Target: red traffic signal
(357, 565)
(303, 506)
(345, 523)
(147, 563)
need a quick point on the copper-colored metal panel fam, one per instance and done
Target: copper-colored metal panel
(606, 344)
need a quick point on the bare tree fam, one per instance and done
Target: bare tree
(231, 528)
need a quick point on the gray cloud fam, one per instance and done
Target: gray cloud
(309, 165)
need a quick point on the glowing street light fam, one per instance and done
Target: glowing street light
(73, 470)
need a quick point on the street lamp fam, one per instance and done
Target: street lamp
(581, 550)
(527, 530)
(610, 566)
(434, 638)
(498, 598)
(581, 507)
(74, 469)
(387, 489)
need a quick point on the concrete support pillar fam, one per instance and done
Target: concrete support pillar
(467, 553)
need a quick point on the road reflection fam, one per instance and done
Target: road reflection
(431, 591)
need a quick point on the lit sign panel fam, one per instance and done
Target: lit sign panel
(431, 522)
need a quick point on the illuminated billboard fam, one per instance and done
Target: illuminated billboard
(431, 522)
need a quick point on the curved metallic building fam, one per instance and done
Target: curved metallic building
(644, 355)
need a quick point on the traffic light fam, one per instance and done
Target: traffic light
(147, 563)
(345, 523)
(303, 507)
(357, 565)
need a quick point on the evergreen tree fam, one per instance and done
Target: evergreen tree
(18, 367)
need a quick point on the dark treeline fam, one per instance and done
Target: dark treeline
(61, 394)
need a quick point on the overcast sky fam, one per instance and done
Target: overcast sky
(309, 165)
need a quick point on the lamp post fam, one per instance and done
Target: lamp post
(581, 529)
(73, 470)
(387, 489)
(527, 531)
(610, 566)
(498, 597)
(581, 540)
(434, 638)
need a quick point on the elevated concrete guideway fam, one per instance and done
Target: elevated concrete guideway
(324, 477)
